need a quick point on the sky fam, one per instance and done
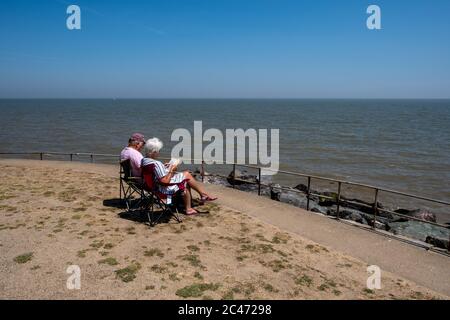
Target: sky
(224, 49)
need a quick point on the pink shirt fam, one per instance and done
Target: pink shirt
(135, 160)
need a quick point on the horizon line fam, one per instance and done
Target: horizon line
(221, 98)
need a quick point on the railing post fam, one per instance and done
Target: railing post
(71, 156)
(42, 155)
(234, 175)
(259, 181)
(92, 158)
(308, 192)
(203, 170)
(375, 209)
(338, 200)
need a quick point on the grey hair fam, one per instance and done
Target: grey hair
(152, 145)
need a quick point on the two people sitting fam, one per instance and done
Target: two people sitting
(166, 178)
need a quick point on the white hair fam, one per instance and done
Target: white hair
(152, 145)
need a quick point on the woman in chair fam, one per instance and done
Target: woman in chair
(168, 180)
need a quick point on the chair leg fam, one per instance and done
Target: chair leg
(176, 215)
(120, 189)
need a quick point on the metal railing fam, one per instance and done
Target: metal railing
(309, 194)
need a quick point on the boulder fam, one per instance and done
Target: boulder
(418, 213)
(303, 188)
(419, 230)
(242, 177)
(438, 242)
(275, 192)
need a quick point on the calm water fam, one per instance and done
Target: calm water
(400, 144)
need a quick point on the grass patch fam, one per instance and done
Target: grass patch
(97, 244)
(316, 248)
(193, 260)
(110, 261)
(152, 252)
(368, 291)
(24, 258)
(196, 290)
(275, 265)
(128, 273)
(158, 269)
(229, 295)
(269, 288)
(304, 280)
(172, 264)
(262, 248)
(180, 229)
(173, 277)
(130, 230)
(193, 248)
(82, 253)
(280, 238)
(337, 292)
(108, 246)
(245, 288)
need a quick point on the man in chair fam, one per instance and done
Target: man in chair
(133, 153)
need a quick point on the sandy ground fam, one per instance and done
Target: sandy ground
(51, 218)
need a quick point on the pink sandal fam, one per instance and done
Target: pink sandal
(191, 212)
(207, 198)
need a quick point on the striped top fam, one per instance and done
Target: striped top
(159, 172)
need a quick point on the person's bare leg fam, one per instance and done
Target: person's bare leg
(187, 199)
(187, 202)
(194, 184)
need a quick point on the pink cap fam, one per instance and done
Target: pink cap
(137, 137)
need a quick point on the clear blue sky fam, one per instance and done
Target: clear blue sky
(225, 48)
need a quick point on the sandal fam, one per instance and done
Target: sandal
(207, 198)
(191, 212)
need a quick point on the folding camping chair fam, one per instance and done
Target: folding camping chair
(169, 204)
(129, 186)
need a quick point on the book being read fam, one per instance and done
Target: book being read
(174, 162)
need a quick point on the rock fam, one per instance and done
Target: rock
(419, 230)
(198, 171)
(303, 188)
(275, 192)
(212, 179)
(418, 213)
(318, 209)
(354, 216)
(438, 242)
(379, 225)
(293, 198)
(240, 176)
(326, 202)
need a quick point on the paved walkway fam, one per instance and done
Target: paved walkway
(425, 268)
